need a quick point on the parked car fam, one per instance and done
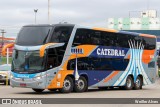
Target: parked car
(5, 73)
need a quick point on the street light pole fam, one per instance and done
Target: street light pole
(35, 10)
(48, 11)
(2, 31)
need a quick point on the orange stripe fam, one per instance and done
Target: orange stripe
(106, 30)
(64, 72)
(147, 35)
(147, 56)
(111, 76)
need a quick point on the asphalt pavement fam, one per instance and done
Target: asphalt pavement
(149, 91)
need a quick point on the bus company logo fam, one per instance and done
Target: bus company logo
(110, 52)
(23, 76)
(77, 51)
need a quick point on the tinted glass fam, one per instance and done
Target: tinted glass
(98, 64)
(149, 43)
(61, 34)
(151, 64)
(27, 62)
(55, 56)
(31, 36)
(94, 37)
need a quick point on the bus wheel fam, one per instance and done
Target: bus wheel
(138, 83)
(129, 83)
(67, 85)
(38, 90)
(81, 85)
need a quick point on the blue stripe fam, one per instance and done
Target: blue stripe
(139, 60)
(135, 66)
(129, 67)
(16, 75)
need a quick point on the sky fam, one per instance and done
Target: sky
(94, 13)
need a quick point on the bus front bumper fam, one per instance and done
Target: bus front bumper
(28, 83)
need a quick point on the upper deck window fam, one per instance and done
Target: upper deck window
(61, 34)
(95, 37)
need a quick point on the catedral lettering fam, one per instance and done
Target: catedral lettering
(110, 52)
(43, 58)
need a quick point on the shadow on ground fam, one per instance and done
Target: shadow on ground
(89, 91)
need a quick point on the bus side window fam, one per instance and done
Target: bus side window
(96, 37)
(81, 37)
(51, 58)
(105, 39)
(61, 34)
(149, 43)
(151, 64)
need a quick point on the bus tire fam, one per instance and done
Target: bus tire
(81, 85)
(38, 90)
(67, 85)
(138, 83)
(129, 83)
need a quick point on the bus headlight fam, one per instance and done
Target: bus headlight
(38, 77)
(11, 76)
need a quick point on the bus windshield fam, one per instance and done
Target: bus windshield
(27, 62)
(33, 35)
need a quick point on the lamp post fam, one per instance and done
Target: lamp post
(48, 11)
(3, 32)
(35, 11)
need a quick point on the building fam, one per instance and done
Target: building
(147, 22)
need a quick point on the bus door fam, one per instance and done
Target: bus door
(51, 64)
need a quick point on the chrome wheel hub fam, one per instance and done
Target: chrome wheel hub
(129, 83)
(138, 83)
(80, 84)
(67, 85)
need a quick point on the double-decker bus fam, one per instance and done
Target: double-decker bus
(70, 58)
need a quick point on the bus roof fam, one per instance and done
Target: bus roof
(125, 32)
(48, 25)
(94, 28)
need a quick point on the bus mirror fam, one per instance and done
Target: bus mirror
(43, 48)
(48, 45)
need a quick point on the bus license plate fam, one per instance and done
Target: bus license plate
(23, 85)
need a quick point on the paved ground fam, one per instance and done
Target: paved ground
(150, 91)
